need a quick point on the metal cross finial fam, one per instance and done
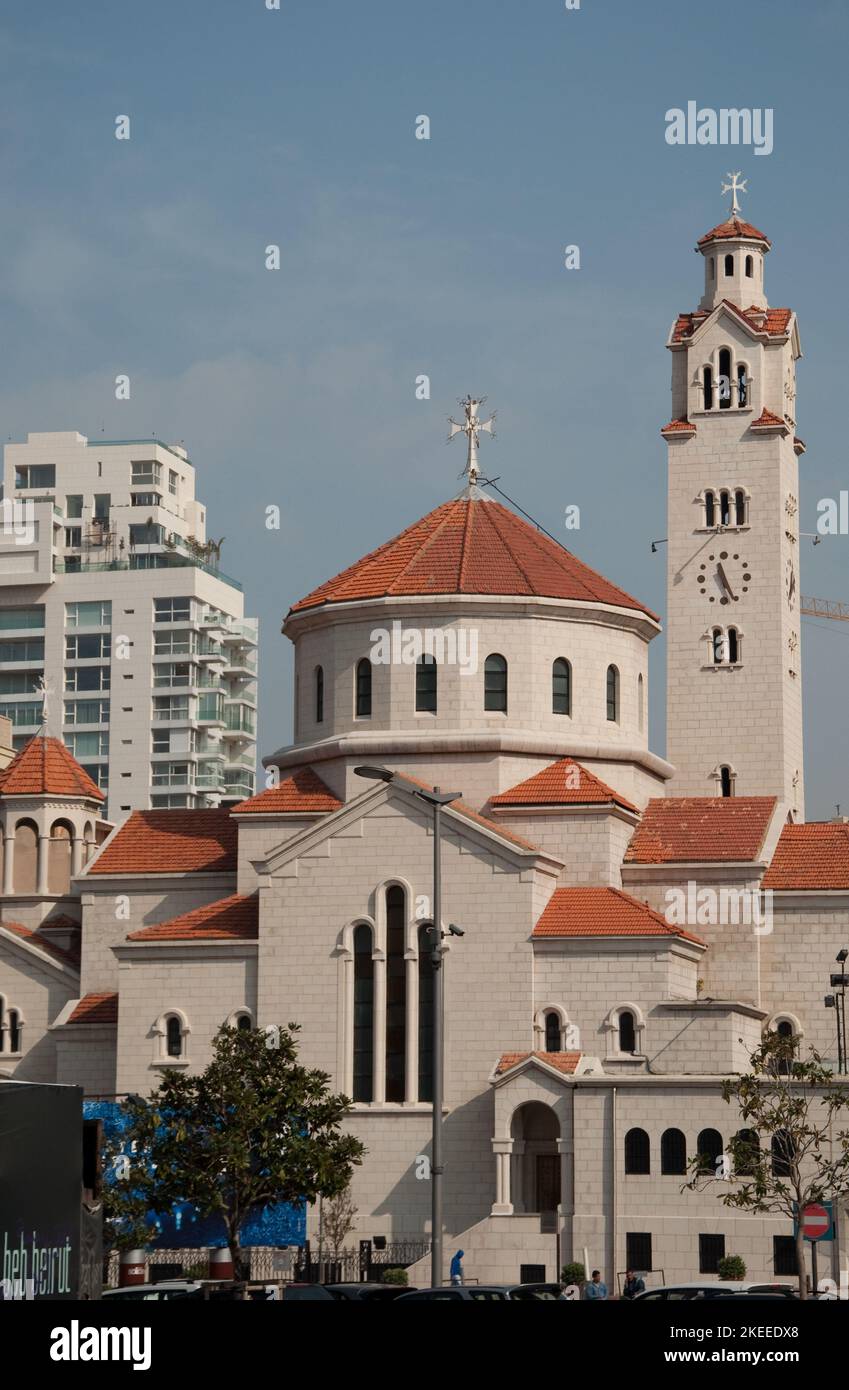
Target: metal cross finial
(734, 188)
(472, 430)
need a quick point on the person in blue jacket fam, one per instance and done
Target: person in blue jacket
(457, 1267)
(595, 1289)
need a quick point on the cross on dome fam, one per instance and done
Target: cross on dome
(734, 188)
(472, 429)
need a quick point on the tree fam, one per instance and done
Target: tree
(786, 1154)
(254, 1129)
(339, 1216)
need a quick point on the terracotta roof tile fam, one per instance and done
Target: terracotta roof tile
(562, 1061)
(602, 912)
(68, 955)
(679, 427)
(230, 919)
(701, 828)
(766, 417)
(773, 322)
(562, 783)
(303, 791)
(470, 546)
(171, 842)
(96, 1008)
(733, 227)
(812, 856)
(44, 767)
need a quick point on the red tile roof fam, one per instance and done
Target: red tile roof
(773, 322)
(733, 227)
(230, 919)
(562, 1061)
(470, 546)
(679, 427)
(303, 791)
(68, 955)
(171, 842)
(603, 912)
(766, 417)
(562, 783)
(811, 856)
(701, 828)
(95, 1008)
(44, 767)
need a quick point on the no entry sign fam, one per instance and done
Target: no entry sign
(818, 1221)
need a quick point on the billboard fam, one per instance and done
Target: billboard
(41, 1154)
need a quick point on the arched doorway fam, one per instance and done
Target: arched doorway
(535, 1130)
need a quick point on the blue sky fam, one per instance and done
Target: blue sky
(400, 257)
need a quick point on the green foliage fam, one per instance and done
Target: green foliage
(395, 1276)
(731, 1267)
(254, 1128)
(573, 1274)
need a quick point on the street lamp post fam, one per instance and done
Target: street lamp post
(436, 799)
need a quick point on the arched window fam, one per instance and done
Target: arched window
(627, 1032)
(319, 695)
(26, 857)
(673, 1152)
(733, 646)
(495, 683)
(749, 1153)
(364, 688)
(742, 386)
(724, 508)
(173, 1036)
(783, 1153)
(363, 1086)
(729, 265)
(243, 1023)
(426, 685)
(750, 267)
(552, 1032)
(710, 509)
(739, 507)
(425, 1013)
(708, 388)
(641, 716)
(726, 781)
(612, 693)
(709, 1148)
(719, 646)
(561, 686)
(724, 378)
(59, 857)
(396, 994)
(784, 1029)
(637, 1152)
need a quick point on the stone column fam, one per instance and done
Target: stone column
(77, 856)
(503, 1149)
(8, 864)
(41, 886)
(518, 1195)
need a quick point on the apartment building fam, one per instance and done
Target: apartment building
(112, 599)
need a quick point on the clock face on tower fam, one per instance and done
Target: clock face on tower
(724, 577)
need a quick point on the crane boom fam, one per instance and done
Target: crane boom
(825, 608)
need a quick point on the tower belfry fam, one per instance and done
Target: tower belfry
(733, 627)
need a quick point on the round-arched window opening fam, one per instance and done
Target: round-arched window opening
(174, 1037)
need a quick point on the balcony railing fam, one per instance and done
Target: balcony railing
(169, 560)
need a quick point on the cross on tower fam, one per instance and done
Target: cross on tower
(472, 430)
(734, 188)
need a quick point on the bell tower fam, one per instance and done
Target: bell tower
(734, 685)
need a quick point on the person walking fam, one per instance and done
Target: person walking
(595, 1290)
(633, 1284)
(457, 1267)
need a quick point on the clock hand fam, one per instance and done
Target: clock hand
(724, 577)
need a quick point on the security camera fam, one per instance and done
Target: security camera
(455, 931)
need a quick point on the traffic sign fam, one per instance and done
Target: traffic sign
(817, 1221)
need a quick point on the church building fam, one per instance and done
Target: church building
(594, 1002)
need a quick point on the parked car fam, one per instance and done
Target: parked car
(456, 1293)
(539, 1293)
(717, 1288)
(168, 1289)
(367, 1293)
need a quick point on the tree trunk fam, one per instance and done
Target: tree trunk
(800, 1256)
